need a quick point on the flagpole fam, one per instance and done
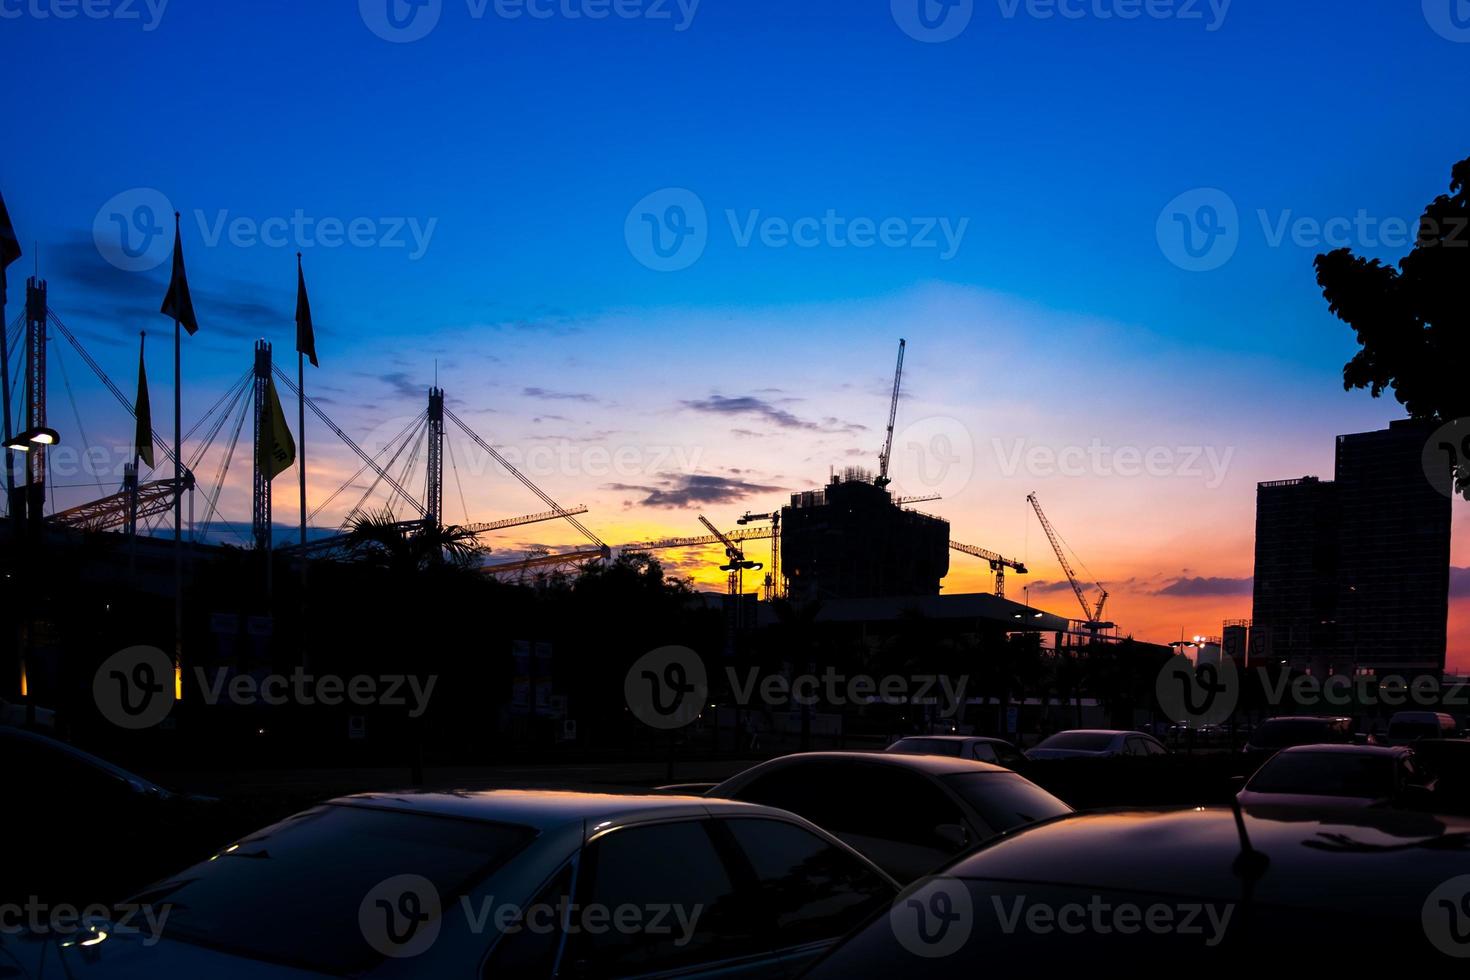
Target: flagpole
(178, 509)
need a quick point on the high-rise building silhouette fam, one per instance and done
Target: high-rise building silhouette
(1352, 575)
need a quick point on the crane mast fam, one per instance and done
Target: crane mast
(1091, 616)
(887, 453)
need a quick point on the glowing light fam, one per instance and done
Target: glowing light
(178, 682)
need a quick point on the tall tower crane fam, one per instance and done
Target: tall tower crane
(887, 452)
(1091, 615)
(774, 588)
(998, 564)
(736, 563)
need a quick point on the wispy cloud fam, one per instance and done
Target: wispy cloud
(1207, 586)
(558, 396)
(692, 490)
(749, 405)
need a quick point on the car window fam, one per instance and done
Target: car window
(1153, 747)
(815, 789)
(1326, 774)
(291, 893)
(1008, 756)
(684, 895)
(926, 746)
(1133, 745)
(894, 804)
(527, 949)
(805, 888)
(1080, 741)
(1005, 799)
(983, 751)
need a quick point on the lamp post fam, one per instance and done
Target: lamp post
(22, 443)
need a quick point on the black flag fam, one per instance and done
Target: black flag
(143, 437)
(305, 336)
(178, 304)
(9, 244)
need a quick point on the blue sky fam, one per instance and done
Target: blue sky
(520, 146)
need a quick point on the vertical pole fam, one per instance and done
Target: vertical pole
(10, 507)
(130, 487)
(178, 513)
(301, 441)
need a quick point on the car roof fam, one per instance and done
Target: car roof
(543, 809)
(79, 754)
(1306, 718)
(1097, 731)
(934, 765)
(1338, 749)
(1317, 858)
(949, 738)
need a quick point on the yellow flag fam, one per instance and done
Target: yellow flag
(278, 449)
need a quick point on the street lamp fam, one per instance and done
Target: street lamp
(42, 436)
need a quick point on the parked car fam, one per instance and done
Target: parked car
(1288, 888)
(61, 803)
(908, 813)
(414, 885)
(1276, 734)
(1410, 726)
(1338, 775)
(996, 751)
(1095, 743)
(1447, 762)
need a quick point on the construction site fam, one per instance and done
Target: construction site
(851, 555)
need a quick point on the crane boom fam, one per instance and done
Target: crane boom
(887, 453)
(998, 563)
(1088, 613)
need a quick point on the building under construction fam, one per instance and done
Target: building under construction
(852, 540)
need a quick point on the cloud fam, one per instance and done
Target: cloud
(691, 490)
(401, 384)
(1044, 586)
(763, 409)
(1459, 582)
(561, 396)
(1206, 586)
(99, 289)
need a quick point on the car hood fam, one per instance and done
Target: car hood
(138, 957)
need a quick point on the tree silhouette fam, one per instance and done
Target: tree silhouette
(1413, 321)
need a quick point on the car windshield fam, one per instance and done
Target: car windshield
(1278, 734)
(1004, 799)
(1326, 774)
(291, 893)
(1082, 741)
(926, 746)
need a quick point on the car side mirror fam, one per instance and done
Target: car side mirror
(955, 835)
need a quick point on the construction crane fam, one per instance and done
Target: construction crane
(998, 564)
(736, 563)
(1092, 620)
(774, 589)
(887, 452)
(339, 540)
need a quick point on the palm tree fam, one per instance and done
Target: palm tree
(409, 547)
